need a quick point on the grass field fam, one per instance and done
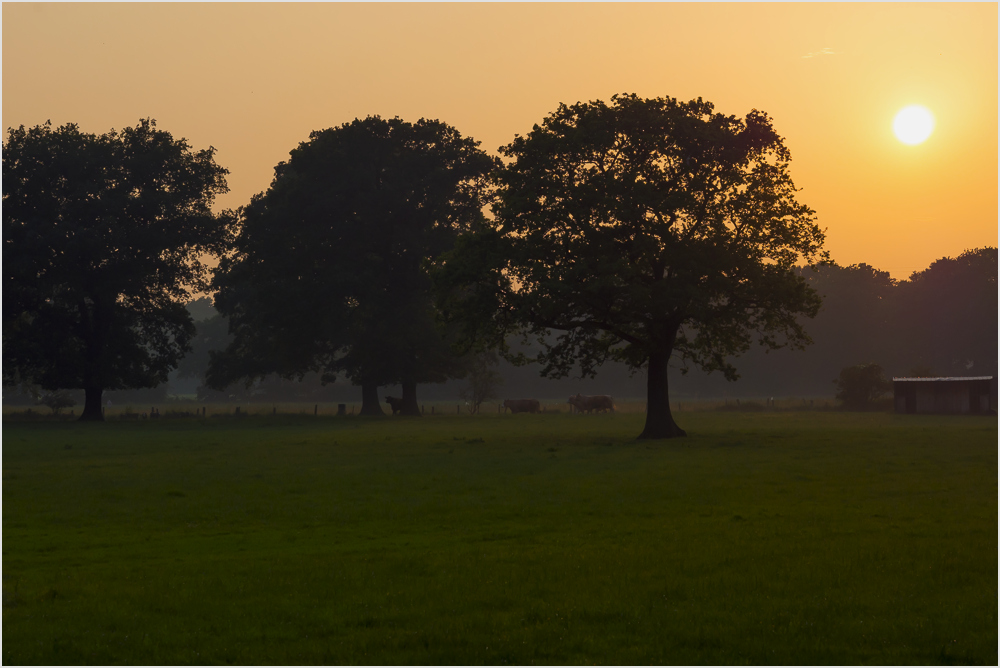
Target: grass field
(762, 538)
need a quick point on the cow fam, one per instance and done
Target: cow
(596, 403)
(395, 404)
(521, 405)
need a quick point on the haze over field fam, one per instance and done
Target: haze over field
(254, 79)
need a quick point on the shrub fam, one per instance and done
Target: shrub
(860, 387)
(57, 400)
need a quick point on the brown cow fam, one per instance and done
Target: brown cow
(522, 405)
(395, 404)
(598, 403)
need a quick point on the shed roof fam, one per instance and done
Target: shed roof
(947, 378)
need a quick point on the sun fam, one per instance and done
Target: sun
(913, 124)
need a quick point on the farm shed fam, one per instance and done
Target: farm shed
(974, 394)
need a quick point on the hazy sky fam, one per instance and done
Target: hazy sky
(254, 79)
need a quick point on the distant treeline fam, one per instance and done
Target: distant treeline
(941, 321)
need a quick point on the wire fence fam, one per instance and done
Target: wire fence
(453, 408)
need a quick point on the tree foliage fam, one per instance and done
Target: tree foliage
(57, 400)
(860, 387)
(942, 321)
(948, 314)
(328, 273)
(641, 229)
(211, 334)
(484, 380)
(104, 239)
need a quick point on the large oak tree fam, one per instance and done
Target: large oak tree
(328, 273)
(104, 237)
(641, 230)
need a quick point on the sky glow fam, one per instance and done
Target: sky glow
(254, 79)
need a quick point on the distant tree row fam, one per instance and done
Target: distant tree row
(942, 321)
(640, 231)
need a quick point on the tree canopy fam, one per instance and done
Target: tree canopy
(948, 314)
(328, 273)
(860, 387)
(640, 230)
(104, 237)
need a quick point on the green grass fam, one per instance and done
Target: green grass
(767, 538)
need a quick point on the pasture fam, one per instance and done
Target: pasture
(762, 538)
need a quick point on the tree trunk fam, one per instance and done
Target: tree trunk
(92, 405)
(369, 400)
(96, 327)
(410, 406)
(659, 422)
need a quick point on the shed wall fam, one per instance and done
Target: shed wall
(944, 396)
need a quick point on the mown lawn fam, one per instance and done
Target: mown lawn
(804, 538)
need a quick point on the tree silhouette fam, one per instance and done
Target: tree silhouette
(854, 323)
(947, 314)
(103, 240)
(329, 271)
(860, 386)
(57, 400)
(484, 380)
(640, 229)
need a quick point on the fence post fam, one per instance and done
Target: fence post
(316, 409)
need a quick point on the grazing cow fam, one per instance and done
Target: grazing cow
(522, 405)
(395, 404)
(598, 403)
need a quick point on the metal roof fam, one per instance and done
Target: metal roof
(924, 380)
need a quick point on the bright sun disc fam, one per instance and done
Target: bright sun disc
(913, 124)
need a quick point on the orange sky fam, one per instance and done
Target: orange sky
(254, 79)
